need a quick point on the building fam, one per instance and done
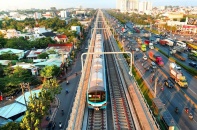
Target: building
(37, 15)
(27, 66)
(145, 6)
(64, 14)
(19, 53)
(126, 5)
(76, 28)
(61, 38)
(12, 33)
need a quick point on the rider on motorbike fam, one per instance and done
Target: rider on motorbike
(176, 110)
(60, 124)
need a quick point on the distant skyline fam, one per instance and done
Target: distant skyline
(46, 4)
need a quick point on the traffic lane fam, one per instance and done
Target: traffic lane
(66, 101)
(191, 80)
(170, 97)
(147, 73)
(166, 50)
(192, 89)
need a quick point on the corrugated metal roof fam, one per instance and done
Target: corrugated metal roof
(27, 95)
(12, 110)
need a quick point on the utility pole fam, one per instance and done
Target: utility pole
(23, 87)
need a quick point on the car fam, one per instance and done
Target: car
(145, 57)
(168, 83)
(137, 49)
(192, 64)
(153, 65)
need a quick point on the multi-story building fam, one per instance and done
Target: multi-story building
(37, 15)
(126, 5)
(64, 14)
(145, 6)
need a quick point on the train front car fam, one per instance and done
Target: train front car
(96, 95)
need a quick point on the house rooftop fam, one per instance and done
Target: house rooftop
(10, 49)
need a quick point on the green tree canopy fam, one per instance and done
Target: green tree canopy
(50, 71)
(43, 55)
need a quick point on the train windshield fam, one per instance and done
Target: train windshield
(96, 96)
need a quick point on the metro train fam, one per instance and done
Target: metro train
(96, 93)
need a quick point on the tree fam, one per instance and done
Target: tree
(43, 55)
(50, 71)
(2, 41)
(18, 43)
(39, 105)
(8, 56)
(11, 126)
(52, 86)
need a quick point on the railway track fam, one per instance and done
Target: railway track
(120, 110)
(97, 120)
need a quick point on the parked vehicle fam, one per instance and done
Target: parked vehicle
(177, 76)
(192, 64)
(143, 47)
(151, 46)
(156, 58)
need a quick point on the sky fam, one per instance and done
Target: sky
(46, 4)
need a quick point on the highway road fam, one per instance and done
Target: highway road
(171, 97)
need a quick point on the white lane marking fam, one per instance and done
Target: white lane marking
(192, 91)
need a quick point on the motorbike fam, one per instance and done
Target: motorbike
(176, 110)
(67, 82)
(67, 92)
(191, 116)
(162, 88)
(60, 125)
(62, 112)
(186, 110)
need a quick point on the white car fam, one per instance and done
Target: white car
(137, 49)
(145, 57)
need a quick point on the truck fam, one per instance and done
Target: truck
(179, 57)
(177, 75)
(176, 52)
(143, 47)
(192, 55)
(162, 42)
(156, 58)
(151, 46)
(177, 49)
(169, 42)
(170, 123)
